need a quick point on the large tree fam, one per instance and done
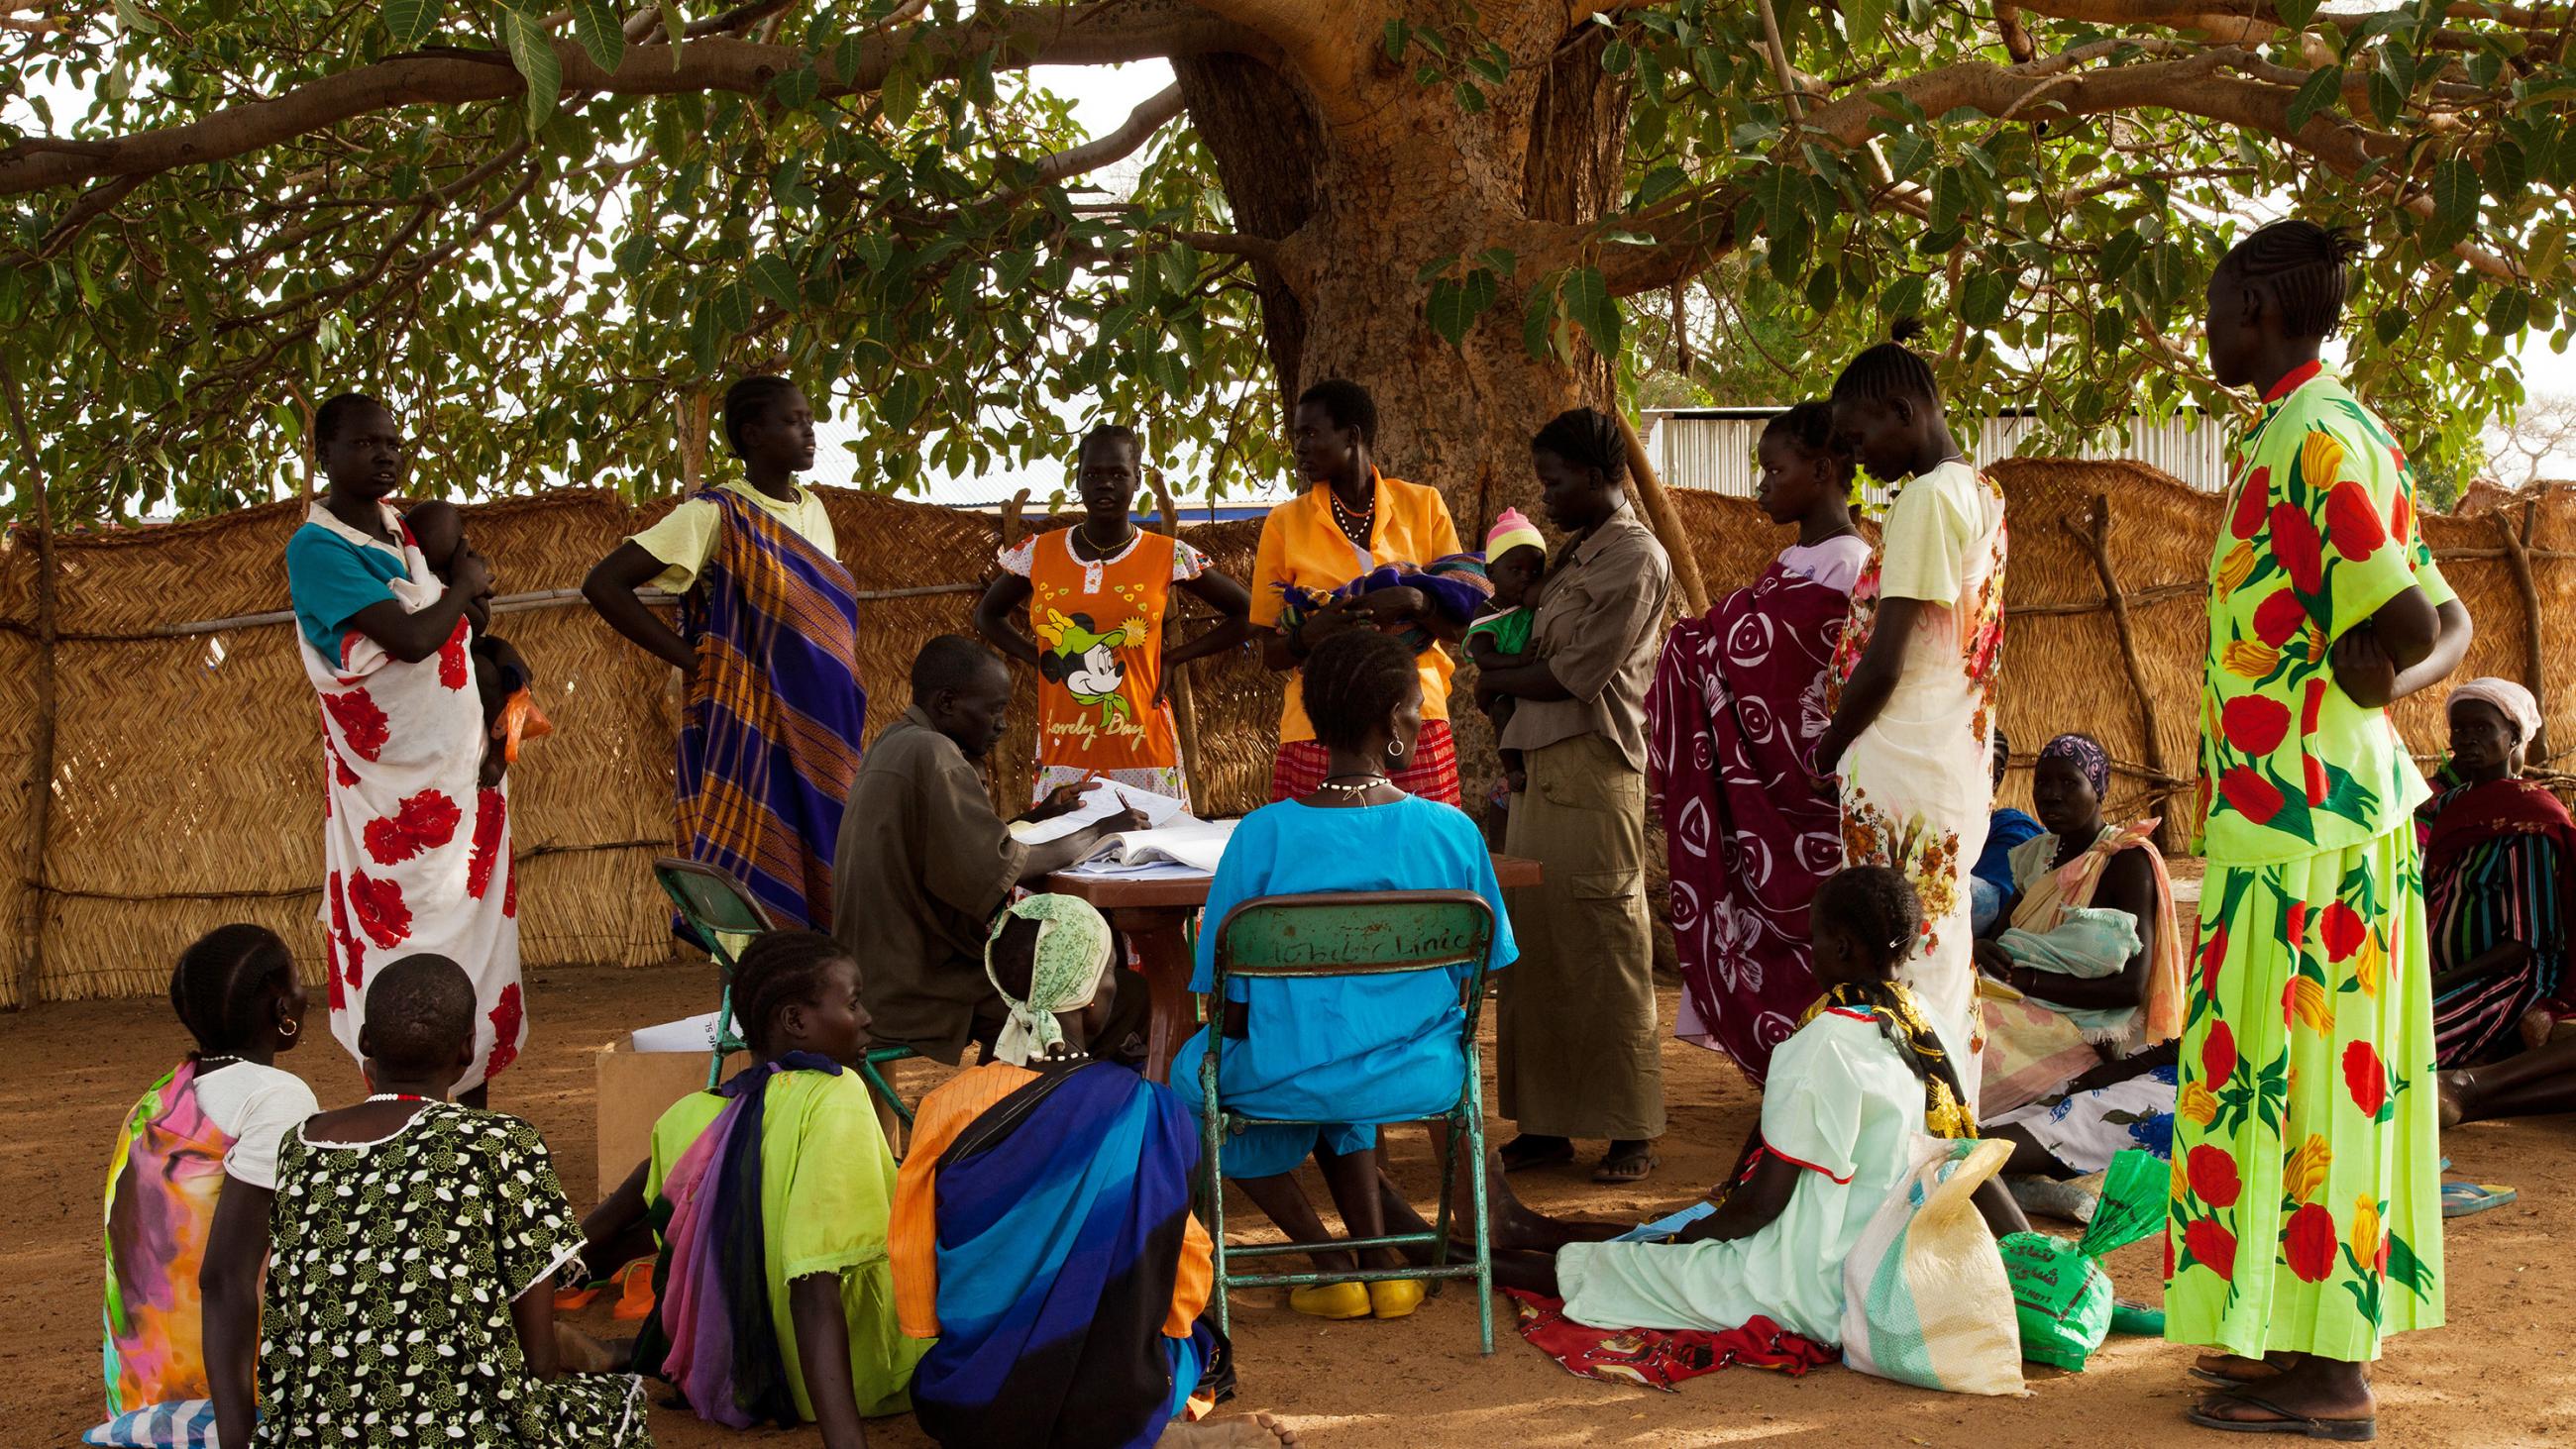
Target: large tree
(549, 233)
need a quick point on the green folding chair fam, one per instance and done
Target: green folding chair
(1357, 934)
(717, 907)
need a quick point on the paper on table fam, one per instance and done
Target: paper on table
(1192, 845)
(693, 1034)
(1103, 799)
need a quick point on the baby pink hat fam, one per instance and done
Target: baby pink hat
(1511, 531)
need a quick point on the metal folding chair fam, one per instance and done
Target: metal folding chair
(1357, 934)
(717, 907)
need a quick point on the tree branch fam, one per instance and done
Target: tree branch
(1018, 37)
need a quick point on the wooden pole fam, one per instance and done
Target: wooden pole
(1666, 519)
(1185, 704)
(40, 745)
(2517, 554)
(2098, 544)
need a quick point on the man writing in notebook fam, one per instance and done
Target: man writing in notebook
(925, 862)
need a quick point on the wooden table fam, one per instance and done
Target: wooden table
(1154, 912)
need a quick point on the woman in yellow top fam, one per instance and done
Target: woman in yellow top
(1350, 520)
(1096, 594)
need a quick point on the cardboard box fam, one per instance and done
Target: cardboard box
(634, 1090)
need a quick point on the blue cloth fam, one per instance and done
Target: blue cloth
(2005, 829)
(1985, 905)
(329, 579)
(1061, 1215)
(1350, 1051)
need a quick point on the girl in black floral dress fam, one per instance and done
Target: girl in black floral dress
(415, 1244)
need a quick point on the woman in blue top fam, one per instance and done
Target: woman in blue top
(1351, 1051)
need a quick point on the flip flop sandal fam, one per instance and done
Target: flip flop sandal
(2460, 1199)
(1527, 1157)
(1626, 1168)
(2229, 1381)
(2347, 1431)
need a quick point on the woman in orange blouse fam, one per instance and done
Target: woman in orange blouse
(1350, 520)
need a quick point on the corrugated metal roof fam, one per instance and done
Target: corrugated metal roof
(1713, 448)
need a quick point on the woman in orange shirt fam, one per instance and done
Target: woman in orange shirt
(1096, 594)
(1350, 520)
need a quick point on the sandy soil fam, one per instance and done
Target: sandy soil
(2499, 1375)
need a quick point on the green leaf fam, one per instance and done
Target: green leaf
(1864, 21)
(596, 24)
(733, 308)
(2386, 100)
(2455, 202)
(1906, 154)
(2507, 173)
(1586, 298)
(1661, 182)
(2317, 93)
(2121, 253)
(1398, 35)
(1984, 294)
(1823, 286)
(1617, 57)
(532, 54)
(901, 400)
(775, 278)
(2509, 312)
(796, 87)
(1538, 321)
(2295, 13)
(675, 29)
(1180, 267)
(1905, 299)
(1470, 99)
(2390, 324)
(1454, 305)
(1502, 260)
(900, 96)
(409, 22)
(1434, 267)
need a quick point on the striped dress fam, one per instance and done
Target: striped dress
(2509, 884)
(770, 740)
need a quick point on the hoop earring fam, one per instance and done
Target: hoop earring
(287, 1027)
(1395, 749)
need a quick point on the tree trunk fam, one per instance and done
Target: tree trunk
(1360, 209)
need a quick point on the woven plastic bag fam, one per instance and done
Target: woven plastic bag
(1925, 1300)
(2060, 1293)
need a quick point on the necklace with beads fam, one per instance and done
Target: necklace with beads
(1354, 525)
(1365, 785)
(222, 1059)
(397, 1097)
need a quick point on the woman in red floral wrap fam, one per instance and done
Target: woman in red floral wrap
(415, 848)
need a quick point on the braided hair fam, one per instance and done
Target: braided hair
(216, 987)
(420, 1013)
(1347, 403)
(1809, 427)
(1878, 909)
(2302, 266)
(1355, 680)
(777, 970)
(1587, 438)
(335, 411)
(748, 401)
(1890, 370)
(2003, 756)
(1107, 433)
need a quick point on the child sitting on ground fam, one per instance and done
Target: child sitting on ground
(501, 675)
(785, 1159)
(1516, 564)
(414, 1247)
(1848, 1097)
(189, 1187)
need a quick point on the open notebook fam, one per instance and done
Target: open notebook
(1185, 846)
(1103, 799)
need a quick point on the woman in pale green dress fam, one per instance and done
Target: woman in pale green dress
(2305, 1221)
(1848, 1098)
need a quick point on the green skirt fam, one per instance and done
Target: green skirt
(2306, 1210)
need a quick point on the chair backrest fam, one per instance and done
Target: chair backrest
(1357, 933)
(711, 901)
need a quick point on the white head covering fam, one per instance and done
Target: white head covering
(1066, 968)
(2510, 700)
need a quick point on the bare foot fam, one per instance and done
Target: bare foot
(1257, 1431)
(2237, 1369)
(2455, 1088)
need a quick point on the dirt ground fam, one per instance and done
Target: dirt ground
(2499, 1375)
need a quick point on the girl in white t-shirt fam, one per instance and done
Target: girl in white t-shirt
(188, 1192)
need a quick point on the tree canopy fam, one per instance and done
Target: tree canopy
(550, 230)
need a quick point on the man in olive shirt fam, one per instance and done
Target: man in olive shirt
(1579, 1053)
(925, 862)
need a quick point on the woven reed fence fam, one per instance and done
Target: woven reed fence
(185, 780)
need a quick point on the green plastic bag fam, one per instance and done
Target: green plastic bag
(2060, 1293)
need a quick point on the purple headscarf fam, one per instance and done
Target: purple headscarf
(2086, 754)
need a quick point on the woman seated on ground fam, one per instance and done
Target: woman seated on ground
(1848, 1098)
(2082, 994)
(1351, 1051)
(1042, 1231)
(413, 1258)
(189, 1186)
(786, 1155)
(2496, 878)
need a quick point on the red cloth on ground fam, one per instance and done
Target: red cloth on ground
(1660, 1358)
(1431, 771)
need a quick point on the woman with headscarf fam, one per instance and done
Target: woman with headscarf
(2496, 878)
(2082, 992)
(1042, 1231)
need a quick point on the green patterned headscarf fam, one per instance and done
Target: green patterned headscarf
(1065, 971)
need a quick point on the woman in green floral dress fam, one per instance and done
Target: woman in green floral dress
(415, 1244)
(2305, 1220)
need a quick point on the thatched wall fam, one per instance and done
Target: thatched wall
(186, 779)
